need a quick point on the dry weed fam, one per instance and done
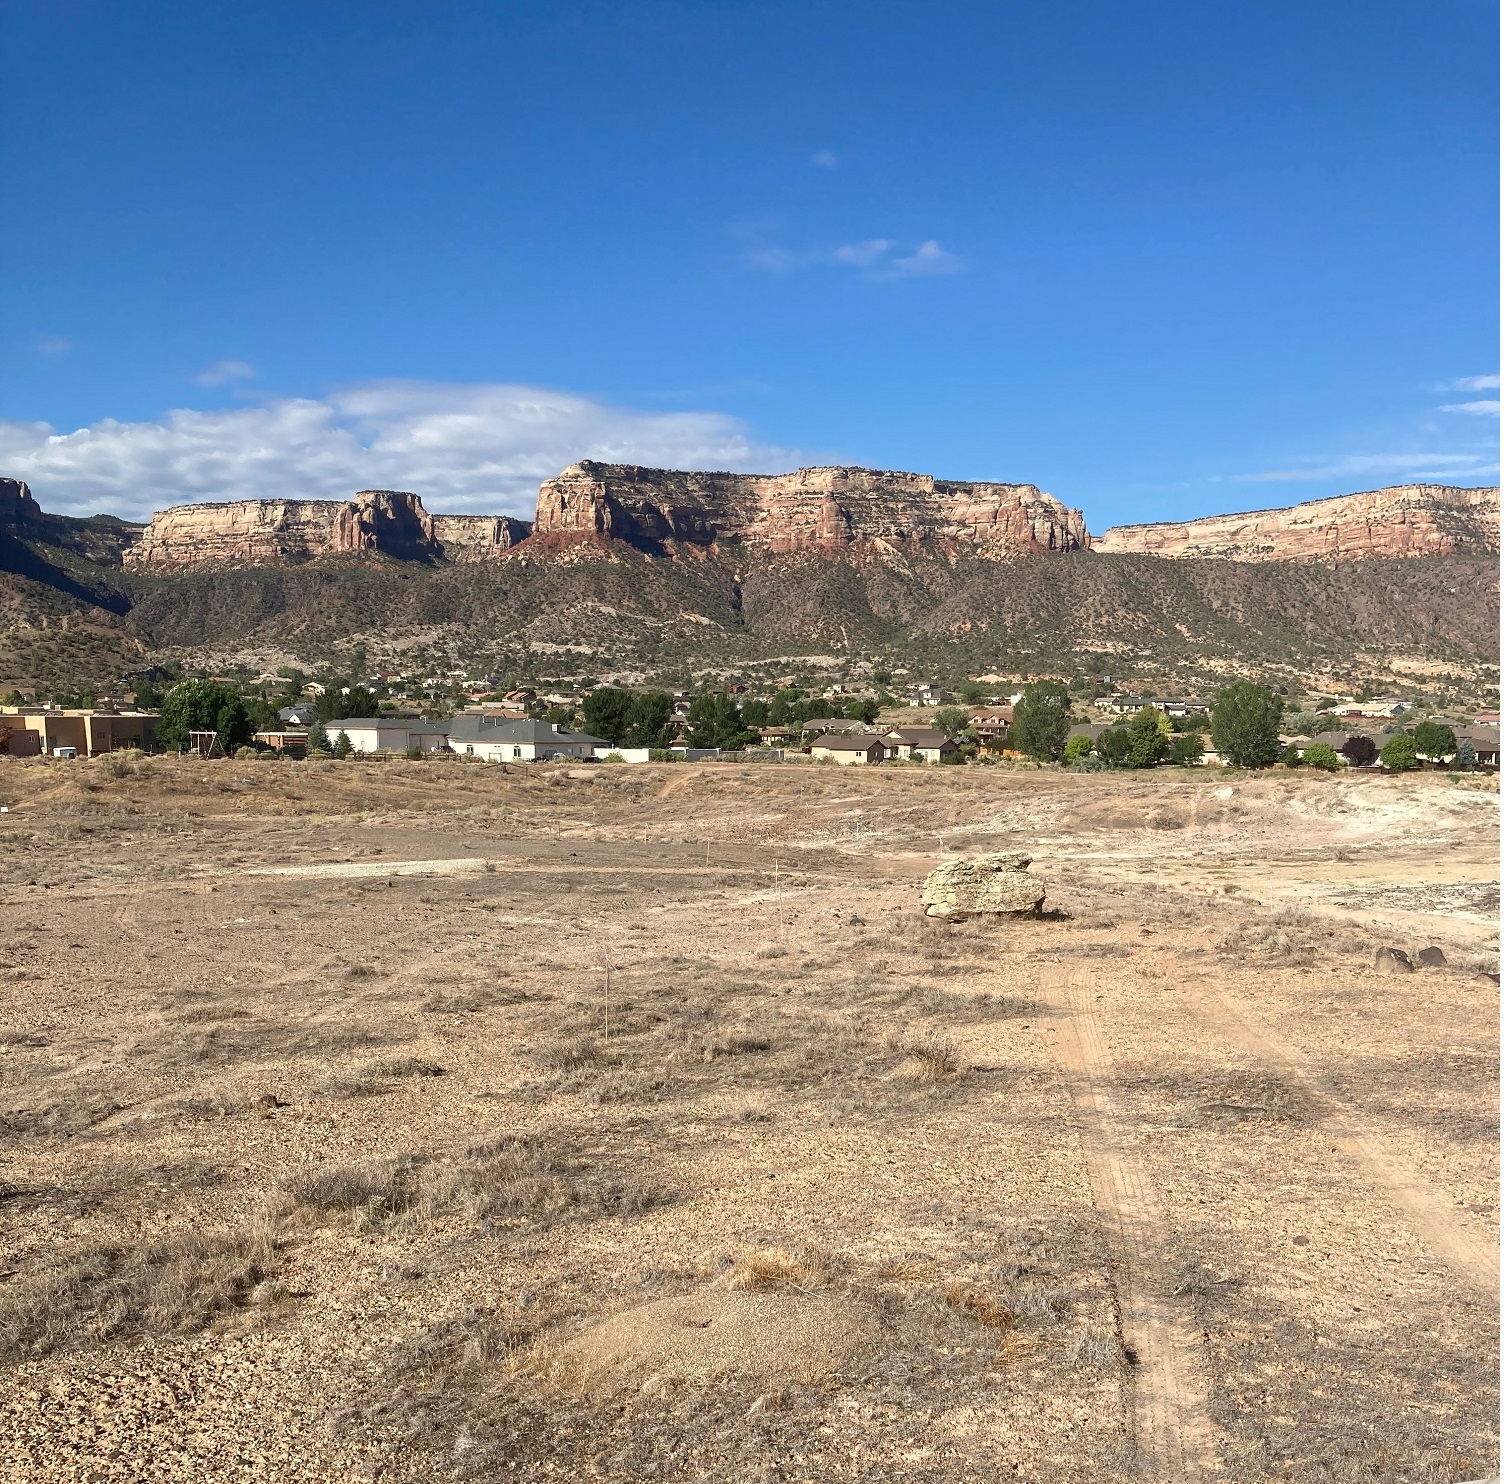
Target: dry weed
(170, 1286)
(61, 1118)
(773, 1267)
(929, 1058)
(967, 1298)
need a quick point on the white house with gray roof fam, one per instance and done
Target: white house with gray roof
(495, 740)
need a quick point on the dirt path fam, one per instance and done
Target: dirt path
(1168, 1395)
(1471, 1253)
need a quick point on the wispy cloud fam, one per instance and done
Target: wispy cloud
(218, 373)
(877, 259)
(54, 345)
(464, 447)
(1410, 466)
(1472, 384)
(1477, 409)
(825, 159)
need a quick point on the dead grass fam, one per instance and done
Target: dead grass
(929, 1058)
(773, 1267)
(508, 1181)
(109, 1292)
(62, 1117)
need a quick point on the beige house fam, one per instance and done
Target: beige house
(495, 741)
(88, 733)
(848, 750)
(920, 744)
(390, 733)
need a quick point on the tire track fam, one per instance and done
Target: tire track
(1469, 1252)
(1168, 1394)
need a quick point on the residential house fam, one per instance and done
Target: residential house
(831, 725)
(920, 744)
(846, 749)
(1485, 742)
(777, 736)
(1125, 705)
(496, 741)
(929, 695)
(299, 714)
(87, 732)
(1091, 730)
(390, 733)
(990, 723)
(294, 744)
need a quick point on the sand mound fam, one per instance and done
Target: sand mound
(702, 1338)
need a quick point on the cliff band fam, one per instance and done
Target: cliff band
(1406, 520)
(269, 533)
(825, 509)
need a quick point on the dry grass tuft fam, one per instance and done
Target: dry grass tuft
(405, 1066)
(930, 1058)
(61, 1118)
(967, 1298)
(774, 1267)
(570, 1054)
(110, 1292)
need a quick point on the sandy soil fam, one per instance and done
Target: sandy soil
(324, 1155)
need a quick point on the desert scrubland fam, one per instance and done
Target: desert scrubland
(326, 1155)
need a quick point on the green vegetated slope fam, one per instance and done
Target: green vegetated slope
(71, 614)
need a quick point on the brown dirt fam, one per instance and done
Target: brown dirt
(339, 1172)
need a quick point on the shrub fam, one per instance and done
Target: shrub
(1467, 755)
(1319, 755)
(1076, 748)
(1398, 753)
(1245, 724)
(343, 747)
(1291, 757)
(1113, 746)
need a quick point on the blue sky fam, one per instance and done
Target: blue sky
(1161, 259)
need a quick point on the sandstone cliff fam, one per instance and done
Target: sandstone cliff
(1403, 521)
(809, 510)
(269, 533)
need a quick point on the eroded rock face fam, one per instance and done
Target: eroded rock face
(1406, 520)
(987, 885)
(810, 509)
(266, 533)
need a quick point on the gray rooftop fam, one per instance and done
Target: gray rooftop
(526, 733)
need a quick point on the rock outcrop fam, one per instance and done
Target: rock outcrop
(824, 510)
(1406, 520)
(270, 533)
(989, 885)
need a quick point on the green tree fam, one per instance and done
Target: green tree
(1434, 740)
(973, 694)
(1113, 746)
(203, 706)
(1467, 755)
(1291, 756)
(1041, 720)
(1320, 755)
(650, 720)
(715, 721)
(780, 713)
(343, 747)
(606, 713)
(1076, 748)
(560, 716)
(952, 721)
(755, 713)
(147, 696)
(337, 705)
(1245, 724)
(866, 712)
(1148, 738)
(318, 738)
(1398, 753)
(1188, 750)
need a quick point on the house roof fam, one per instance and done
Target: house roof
(859, 743)
(918, 736)
(528, 733)
(832, 724)
(390, 723)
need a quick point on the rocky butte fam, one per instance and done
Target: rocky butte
(1407, 520)
(273, 533)
(825, 510)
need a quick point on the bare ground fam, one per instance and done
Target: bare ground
(320, 1159)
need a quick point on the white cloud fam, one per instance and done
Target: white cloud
(1478, 409)
(873, 258)
(825, 159)
(928, 260)
(217, 373)
(1409, 466)
(54, 345)
(482, 448)
(1473, 384)
(862, 254)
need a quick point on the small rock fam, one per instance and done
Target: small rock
(986, 886)
(1431, 958)
(1393, 961)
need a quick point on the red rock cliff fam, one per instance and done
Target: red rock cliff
(811, 509)
(1403, 521)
